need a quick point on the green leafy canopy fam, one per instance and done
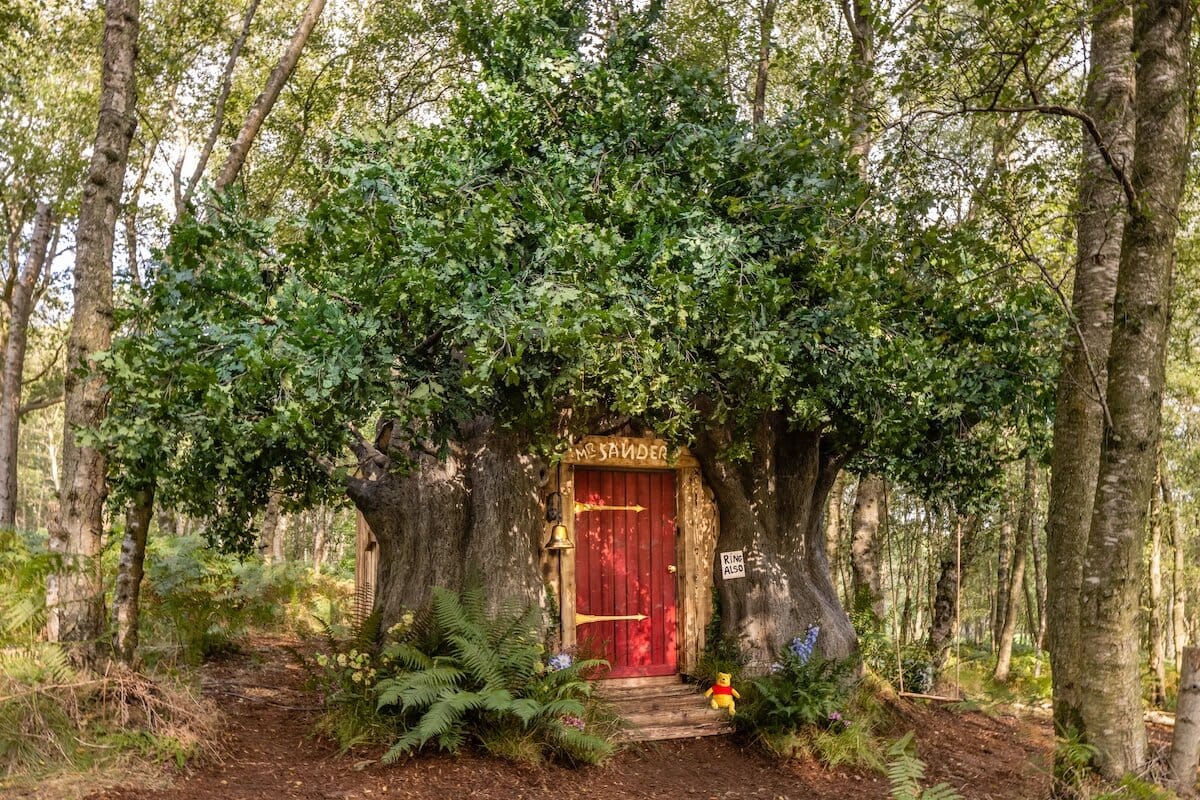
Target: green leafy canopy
(585, 230)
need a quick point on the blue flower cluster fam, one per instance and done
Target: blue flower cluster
(802, 647)
(560, 661)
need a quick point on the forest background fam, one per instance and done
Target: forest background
(970, 117)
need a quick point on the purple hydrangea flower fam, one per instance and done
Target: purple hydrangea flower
(560, 661)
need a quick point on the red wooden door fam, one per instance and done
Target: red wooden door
(624, 565)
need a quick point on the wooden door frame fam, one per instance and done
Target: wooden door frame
(620, 453)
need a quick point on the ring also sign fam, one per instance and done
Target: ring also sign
(733, 565)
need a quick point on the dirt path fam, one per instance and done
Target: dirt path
(270, 753)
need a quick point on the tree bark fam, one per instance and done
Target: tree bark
(75, 596)
(946, 594)
(833, 525)
(865, 551)
(771, 508)
(1185, 745)
(474, 517)
(258, 112)
(766, 22)
(1110, 689)
(21, 305)
(1004, 554)
(1016, 578)
(860, 19)
(1157, 627)
(219, 111)
(1179, 570)
(1079, 416)
(130, 568)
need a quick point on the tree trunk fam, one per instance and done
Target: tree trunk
(258, 112)
(1158, 630)
(1078, 416)
(219, 111)
(766, 22)
(1004, 553)
(833, 526)
(771, 509)
(1110, 688)
(75, 596)
(474, 517)
(130, 569)
(1179, 570)
(21, 307)
(1016, 578)
(279, 539)
(1185, 746)
(860, 19)
(319, 525)
(865, 552)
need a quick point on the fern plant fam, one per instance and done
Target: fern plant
(906, 772)
(463, 676)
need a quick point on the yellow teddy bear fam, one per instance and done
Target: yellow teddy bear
(723, 694)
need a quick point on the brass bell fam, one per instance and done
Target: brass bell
(559, 540)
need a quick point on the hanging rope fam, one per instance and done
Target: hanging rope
(958, 529)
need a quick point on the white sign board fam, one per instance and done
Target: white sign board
(733, 565)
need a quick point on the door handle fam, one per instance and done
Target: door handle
(582, 619)
(672, 569)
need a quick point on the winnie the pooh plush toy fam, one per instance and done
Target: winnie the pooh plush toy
(723, 694)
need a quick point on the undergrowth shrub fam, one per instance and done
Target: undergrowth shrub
(197, 601)
(54, 717)
(802, 689)
(454, 676)
(906, 773)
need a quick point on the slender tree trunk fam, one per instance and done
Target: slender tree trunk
(1185, 746)
(219, 110)
(75, 596)
(860, 19)
(318, 539)
(130, 568)
(1004, 554)
(1179, 570)
(1110, 688)
(279, 539)
(1039, 593)
(21, 304)
(865, 552)
(766, 23)
(240, 148)
(1158, 629)
(833, 525)
(1079, 416)
(946, 597)
(1016, 578)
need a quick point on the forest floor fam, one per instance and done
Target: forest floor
(269, 752)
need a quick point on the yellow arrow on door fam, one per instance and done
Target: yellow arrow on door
(581, 507)
(581, 619)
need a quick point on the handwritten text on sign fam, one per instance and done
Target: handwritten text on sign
(623, 450)
(733, 565)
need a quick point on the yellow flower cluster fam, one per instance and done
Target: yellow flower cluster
(357, 664)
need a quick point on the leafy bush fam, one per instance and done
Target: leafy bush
(454, 675)
(463, 676)
(25, 562)
(802, 690)
(906, 773)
